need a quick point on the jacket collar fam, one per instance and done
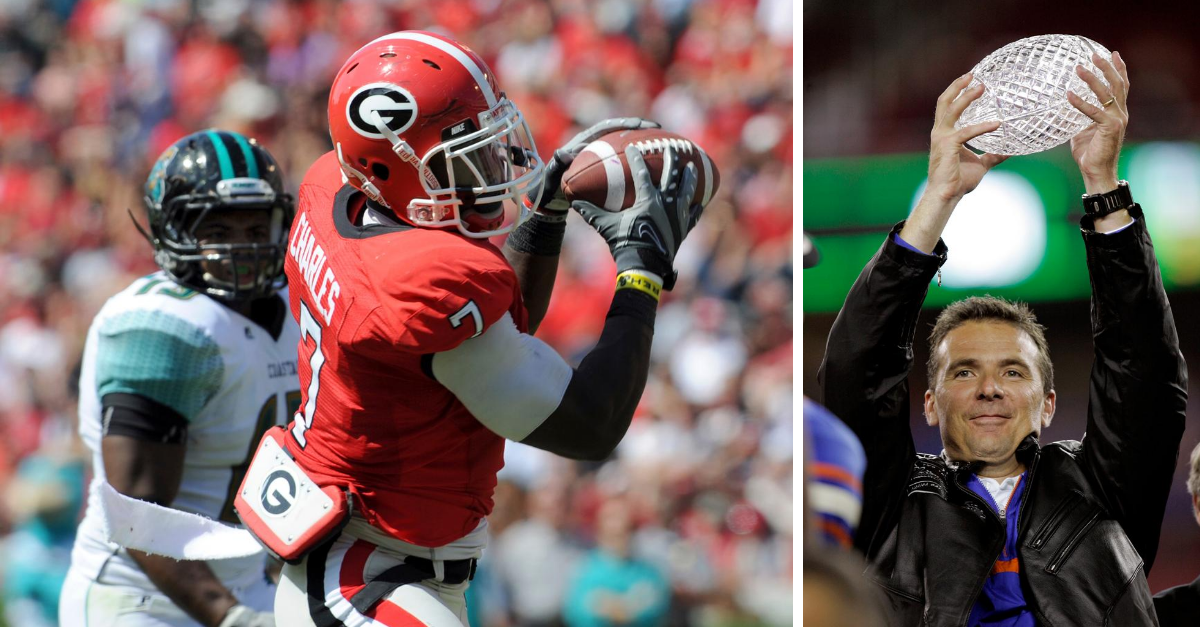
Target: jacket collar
(1027, 450)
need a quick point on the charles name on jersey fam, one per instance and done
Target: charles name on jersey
(311, 259)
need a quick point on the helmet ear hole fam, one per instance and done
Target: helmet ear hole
(381, 171)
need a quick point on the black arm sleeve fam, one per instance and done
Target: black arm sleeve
(532, 250)
(605, 389)
(1138, 387)
(538, 235)
(864, 375)
(142, 419)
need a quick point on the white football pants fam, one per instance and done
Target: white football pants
(86, 603)
(350, 563)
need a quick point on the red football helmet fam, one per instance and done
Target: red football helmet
(419, 126)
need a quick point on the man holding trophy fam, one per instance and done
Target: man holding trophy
(1001, 529)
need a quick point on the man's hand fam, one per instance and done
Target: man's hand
(553, 200)
(647, 235)
(1097, 147)
(242, 616)
(953, 169)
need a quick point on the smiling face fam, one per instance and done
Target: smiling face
(988, 394)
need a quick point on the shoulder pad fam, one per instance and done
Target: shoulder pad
(455, 293)
(158, 294)
(324, 173)
(158, 355)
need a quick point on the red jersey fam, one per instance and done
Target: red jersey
(373, 304)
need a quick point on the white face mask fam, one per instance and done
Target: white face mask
(475, 182)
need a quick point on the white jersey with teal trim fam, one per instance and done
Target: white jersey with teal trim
(226, 375)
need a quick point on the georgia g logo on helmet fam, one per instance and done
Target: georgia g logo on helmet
(395, 105)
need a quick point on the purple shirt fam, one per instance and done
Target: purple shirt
(1001, 602)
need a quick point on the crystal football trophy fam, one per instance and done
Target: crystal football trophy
(1025, 87)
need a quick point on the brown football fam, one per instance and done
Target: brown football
(601, 175)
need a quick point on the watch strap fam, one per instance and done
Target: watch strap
(1100, 205)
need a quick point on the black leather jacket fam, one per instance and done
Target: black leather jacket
(1090, 520)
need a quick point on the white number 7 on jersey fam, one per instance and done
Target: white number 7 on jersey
(469, 308)
(311, 329)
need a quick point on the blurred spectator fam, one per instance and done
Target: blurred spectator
(612, 587)
(835, 466)
(835, 593)
(1180, 605)
(488, 603)
(534, 557)
(43, 499)
(91, 91)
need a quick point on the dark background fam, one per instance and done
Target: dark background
(872, 73)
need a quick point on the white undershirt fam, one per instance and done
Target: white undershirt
(1000, 489)
(371, 217)
(1119, 228)
(509, 381)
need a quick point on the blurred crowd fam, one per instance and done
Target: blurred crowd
(872, 70)
(690, 523)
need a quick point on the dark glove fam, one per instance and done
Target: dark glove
(647, 235)
(553, 201)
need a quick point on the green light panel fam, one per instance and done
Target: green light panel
(851, 204)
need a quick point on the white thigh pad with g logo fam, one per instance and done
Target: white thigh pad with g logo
(285, 509)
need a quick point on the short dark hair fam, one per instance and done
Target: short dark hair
(1193, 482)
(991, 309)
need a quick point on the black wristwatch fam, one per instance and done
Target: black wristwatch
(1100, 205)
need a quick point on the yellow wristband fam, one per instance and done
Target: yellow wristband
(631, 279)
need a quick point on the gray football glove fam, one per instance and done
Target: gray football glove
(243, 616)
(553, 200)
(647, 235)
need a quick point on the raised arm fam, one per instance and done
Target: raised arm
(1138, 388)
(518, 387)
(953, 169)
(864, 376)
(533, 247)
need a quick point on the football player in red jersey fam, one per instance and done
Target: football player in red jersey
(417, 354)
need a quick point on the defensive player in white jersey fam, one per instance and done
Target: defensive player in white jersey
(182, 373)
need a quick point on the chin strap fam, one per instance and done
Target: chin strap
(403, 150)
(365, 184)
